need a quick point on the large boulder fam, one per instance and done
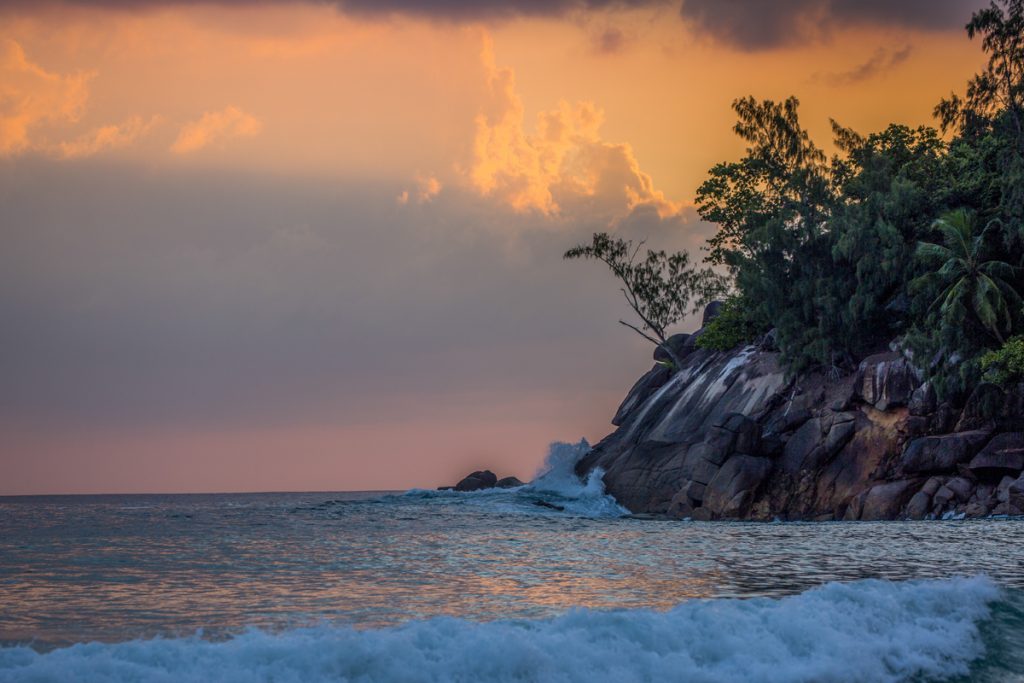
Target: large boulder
(924, 400)
(711, 311)
(742, 432)
(817, 441)
(477, 480)
(1003, 455)
(679, 343)
(509, 483)
(886, 380)
(653, 380)
(919, 505)
(731, 490)
(1015, 495)
(884, 501)
(942, 453)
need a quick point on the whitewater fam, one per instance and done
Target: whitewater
(551, 581)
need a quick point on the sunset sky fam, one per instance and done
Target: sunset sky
(283, 245)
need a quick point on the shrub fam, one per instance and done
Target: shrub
(1006, 365)
(731, 328)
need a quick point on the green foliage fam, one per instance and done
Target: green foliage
(993, 106)
(771, 208)
(1006, 365)
(731, 328)
(841, 256)
(661, 288)
(969, 285)
(903, 234)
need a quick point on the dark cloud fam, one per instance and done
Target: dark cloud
(881, 61)
(755, 25)
(746, 24)
(455, 10)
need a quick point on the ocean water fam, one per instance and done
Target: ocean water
(492, 586)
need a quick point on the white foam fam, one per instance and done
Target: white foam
(555, 482)
(865, 632)
(558, 476)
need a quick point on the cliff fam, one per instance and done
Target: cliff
(731, 436)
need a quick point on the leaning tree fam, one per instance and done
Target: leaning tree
(658, 286)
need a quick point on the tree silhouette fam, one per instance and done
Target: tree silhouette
(658, 286)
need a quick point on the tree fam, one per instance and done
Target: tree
(995, 97)
(772, 208)
(781, 179)
(969, 283)
(990, 118)
(659, 287)
(893, 185)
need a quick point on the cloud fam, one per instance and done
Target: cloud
(214, 126)
(753, 25)
(563, 167)
(427, 187)
(112, 136)
(609, 41)
(450, 10)
(881, 61)
(31, 96)
(205, 297)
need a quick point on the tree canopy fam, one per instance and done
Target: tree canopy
(912, 235)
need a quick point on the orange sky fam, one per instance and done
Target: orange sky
(224, 219)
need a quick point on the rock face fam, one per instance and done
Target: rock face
(731, 436)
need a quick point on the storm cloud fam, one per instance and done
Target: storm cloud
(747, 24)
(454, 10)
(751, 25)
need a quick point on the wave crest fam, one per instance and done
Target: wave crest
(867, 631)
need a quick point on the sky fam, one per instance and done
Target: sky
(271, 245)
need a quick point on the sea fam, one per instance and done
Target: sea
(552, 581)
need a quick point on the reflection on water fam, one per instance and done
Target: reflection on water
(117, 567)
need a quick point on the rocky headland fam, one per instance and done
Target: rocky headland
(731, 435)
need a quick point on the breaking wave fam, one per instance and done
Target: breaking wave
(555, 489)
(865, 632)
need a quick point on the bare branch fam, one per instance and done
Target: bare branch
(643, 334)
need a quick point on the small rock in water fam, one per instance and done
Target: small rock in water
(477, 480)
(545, 504)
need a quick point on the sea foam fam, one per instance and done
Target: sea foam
(864, 632)
(558, 476)
(555, 483)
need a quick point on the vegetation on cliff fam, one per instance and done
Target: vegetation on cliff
(907, 233)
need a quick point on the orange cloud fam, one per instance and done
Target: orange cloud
(106, 137)
(30, 95)
(230, 122)
(563, 166)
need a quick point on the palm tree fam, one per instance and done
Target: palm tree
(968, 282)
